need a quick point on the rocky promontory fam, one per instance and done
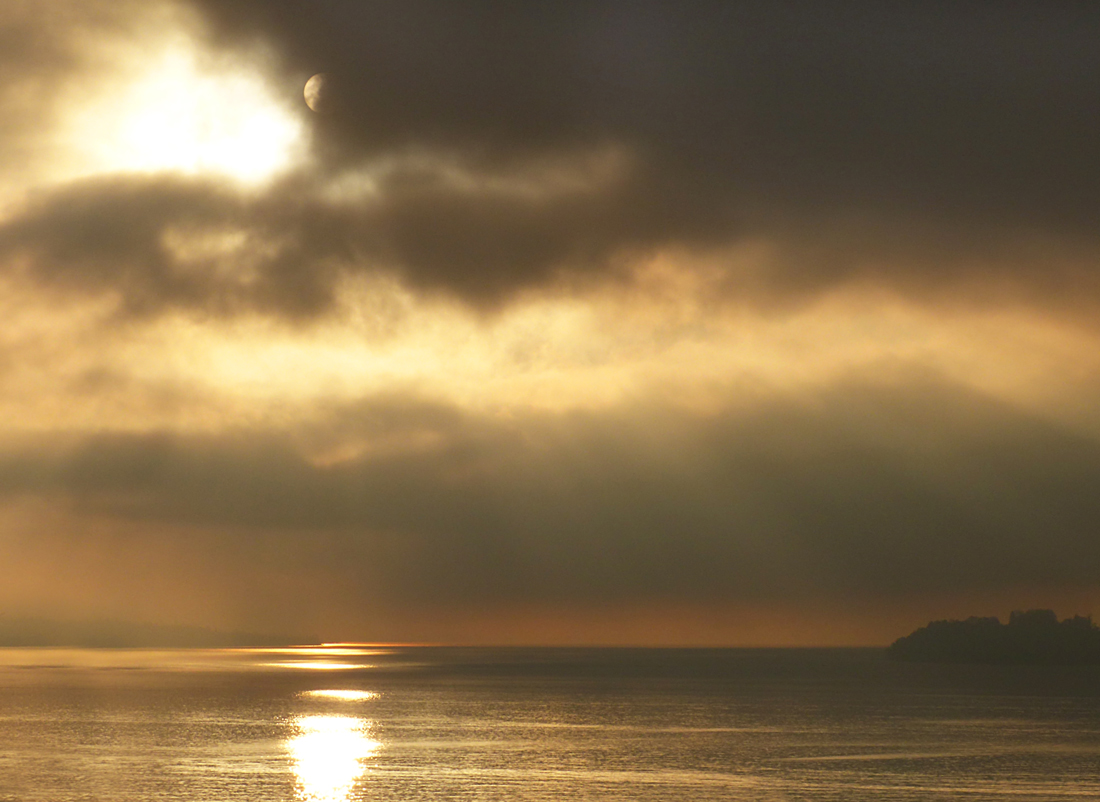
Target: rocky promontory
(1032, 637)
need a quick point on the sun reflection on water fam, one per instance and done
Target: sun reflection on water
(320, 658)
(343, 695)
(328, 754)
(317, 665)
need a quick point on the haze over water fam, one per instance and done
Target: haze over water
(338, 724)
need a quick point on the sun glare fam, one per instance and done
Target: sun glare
(328, 754)
(180, 115)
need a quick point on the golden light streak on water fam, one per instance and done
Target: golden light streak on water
(317, 665)
(328, 755)
(324, 650)
(343, 695)
(319, 658)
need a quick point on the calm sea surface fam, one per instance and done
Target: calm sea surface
(359, 723)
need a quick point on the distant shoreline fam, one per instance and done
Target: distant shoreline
(47, 633)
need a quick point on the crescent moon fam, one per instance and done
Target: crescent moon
(317, 93)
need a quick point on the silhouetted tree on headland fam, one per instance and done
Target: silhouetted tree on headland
(1034, 636)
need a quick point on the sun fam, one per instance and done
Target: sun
(177, 113)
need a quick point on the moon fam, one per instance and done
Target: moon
(318, 93)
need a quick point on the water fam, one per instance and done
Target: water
(358, 723)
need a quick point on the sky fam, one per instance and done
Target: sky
(600, 322)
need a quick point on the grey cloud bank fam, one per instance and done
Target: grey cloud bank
(862, 490)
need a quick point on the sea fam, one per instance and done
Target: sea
(343, 722)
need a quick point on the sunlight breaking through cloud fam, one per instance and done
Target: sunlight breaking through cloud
(187, 113)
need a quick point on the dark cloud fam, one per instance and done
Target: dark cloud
(156, 243)
(961, 123)
(860, 490)
(154, 240)
(912, 144)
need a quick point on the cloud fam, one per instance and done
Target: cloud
(162, 243)
(963, 129)
(859, 490)
(166, 242)
(597, 305)
(52, 58)
(485, 151)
